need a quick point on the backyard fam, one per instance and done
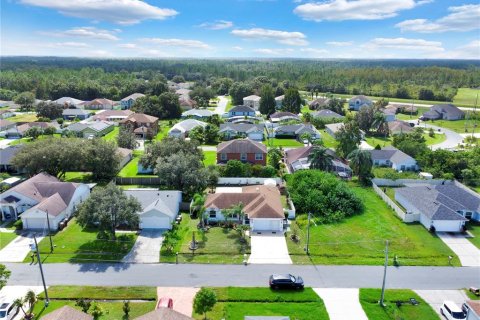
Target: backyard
(385, 142)
(210, 158)
(288, 143)
(131, 168)
(360, 240)
(24, 117)
(112, 135)
(389, 173)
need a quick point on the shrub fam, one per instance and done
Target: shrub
(18, 224)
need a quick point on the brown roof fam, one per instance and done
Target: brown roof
(184, 101)
(98, 101)
(24, 127)
(140, 117)
(258, 201)
(123, 152)
(54, 205)
(109, 113)
(294, 154)
(5, 123)
(164, 314)
(474, 305)
(67, 312)
(241, 146)
(398, 126)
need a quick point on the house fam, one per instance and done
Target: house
(5, 113)
(159, 208)
(6, 155)
(326, 114)
(245, 150)
(262, 207)
(142, 124)
(333, 128)
(241, 130)
(358, 102)
(112, 115)
(320, 103)
(91, 129)
(252, 101)
(393, 158)
(183, 92)
(67, 312)
(297, 159)
(398, 126)
(283, 116)
(473, 309)
(72, 114)
(99, 104)
(244, 111)
(296, 131)
(164, 314)
(181, 129)
(43, 195)
(446, 207)
(20, 130)
(389, 114)
(68, 102)
(443, 111)
(5, 125)
(125, 156)
(129, 101)
(186, 103)
(279, 102)
(197, 113)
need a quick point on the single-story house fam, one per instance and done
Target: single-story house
(163, 313)
(5, 113)
(19, 131)
(245, 150)
(326, 114)
(333, 128)
(67, 102)
(262, 207)
(92, 129)
(197, 113)
(241, 130)
(183, 92)
(296, 131)
(241, 111)
(398, 126)
(181, 129)
(71, 114)
(443, 111)
(42, 195)
(112, 115)
(393, 158)
(159, 208)
(125, 156)
(297, 159)
(99, 104)
(129, 101)
(283, 116)
(320, 103)
(389, 114)
(5, 125)
(279, 102)
(252, 101)
(358, 102)
(445, 207)
(6, 155)
(186, 103)
(67, 312)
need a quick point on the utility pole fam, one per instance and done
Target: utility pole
(308, 234)
(47, 301)
(384, 275)
(475, 115)
(49, 233)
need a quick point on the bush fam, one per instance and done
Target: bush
(18, 224)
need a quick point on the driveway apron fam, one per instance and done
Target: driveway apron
(466, 251)
(18, 248)
(342, 304)
(147, 247)
(182, 298)
(435, 298)
(269, 248)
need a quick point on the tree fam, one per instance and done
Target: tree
(30, 299)
(170, 105)
(178, 79)
(279, 91)
(238, 91)
(320, 159)
(204, 301)
(26, 100)
(380, 124)
(198, 134)
(202, 96)
(267, 100)
(49, 110)
(84, 304)
(126, 138)
(102, 159)
(365, 118)
(33, 132)
(167, 147)
(109, 207)
(412, 143)
(274, 157)
(348, 137)
(213, 176)
(292, 102)
(197, 207)
(126, 308)
(361, 163)
(49, 131)
(97, 310)
(234, 168)
(4, 275)
(211, 135)
(336, 105)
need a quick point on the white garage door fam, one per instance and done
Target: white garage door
(267, 224)
(35, 223)
(155, 223)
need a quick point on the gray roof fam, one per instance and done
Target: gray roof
(297, 129)
(68, 100)
(242, 108)
(320, 102)
(334, 127)
(450, 109)
(284, 115)
(75, 112)
(198, 113)
(7, 153)
(326, 113)
(163, 314)
(187, 125)
(133, 96)
(390, 153)
(361, 97)
(252, 97)
(67, 312)
(163, 201)
(241, 127)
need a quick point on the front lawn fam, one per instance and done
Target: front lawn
(210, 158)
(101, 293)
(274, 142)
(466, 96)
(460, 126)
(24, 117)
(414, 116)
(6, 237)
(360, 240)
(217, 245)
(112, 135)
(385, 142)
(474, 228)
(75, 244)
(78, 176)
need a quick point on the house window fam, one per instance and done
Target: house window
(212, 214)
(258, 156)
(243, 156)
(223, 156)
(376, 162)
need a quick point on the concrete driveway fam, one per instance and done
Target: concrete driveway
(147, 247)
(18, 248)
(10, 293)
(182, 298)
(221, 106)
(435, 298)
(342, 304)
(468, 254)
(269, 248)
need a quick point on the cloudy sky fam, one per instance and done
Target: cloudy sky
(242, 28)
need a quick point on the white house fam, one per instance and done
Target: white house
(69, 102)
(242, 130)
(358, 102)
(159, 208)
(393, 158)
(40, 195)
(129, 101)
(181, 129)
(252, 101)
(279, 102)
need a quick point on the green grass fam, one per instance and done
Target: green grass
(385, 142)
(210, 158)
(101, 293)
(474, 229)
(163, 130)
(112, 135)
(25, 117)
(470, 295)
(369, 300)
(360, 240)
(387, 173)
(229, 104)
(75, 244)
(274, 142)
(466, 96)
(414, 116)
(218, 245)
(460, 126)
(131, 168)
(78, 176)
(328, 140)
(5, 238)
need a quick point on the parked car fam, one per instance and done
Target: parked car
(165, 302)
(451, 311)
(475, 291)
(8, 310)
(285, 281)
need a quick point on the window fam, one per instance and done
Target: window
(243, 156)
(223, 156)
(376, 162)
(212, 214)
(258, 156)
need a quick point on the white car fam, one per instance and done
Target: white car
(7, 311)
(451, 311)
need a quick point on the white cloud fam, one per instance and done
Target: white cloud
(118, 11)
(71, 44)
(462, 18)
(283, 37)
(217, 25)
(314, 51)
(238, 48)
(338, 10)
(275, 52)
(85, 32)
(177, 43)
(127, 45)
(404, 44)
(469, 51)
(340, 43)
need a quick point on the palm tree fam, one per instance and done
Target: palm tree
(19, 304)
(197, 206)
(380, 124)
(320, 158)
(361, 163)
(29, 299)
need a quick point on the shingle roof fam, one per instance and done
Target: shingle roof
(320, 102)
(164, 201)
(448, 108)
(326, 113)
(198, 113)
(362, 98)
(67, 313)
(241, 127)
(278, 115)
(474, 305)
(398, 126)
(68, 100)
(133, 96)
(99, 101)
(105, 115)
(334, 127)
(242, 108)
(140, 117)
(164, 314)
(7, 153)
(124, 152)
(241, 146)
(187, 125)
(297, 128)
(75, 112)
(252, 97)
(390, 153)
(5, 123)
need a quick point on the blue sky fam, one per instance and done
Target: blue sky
(242, 28)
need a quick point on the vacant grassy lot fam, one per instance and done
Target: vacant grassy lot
(236, 303)
(24, 117)
(466, 96)
(217, 245)
(112, 135)
(210, 158)
(360, 240)
(384, 142)
(274, 142)
(474, 229)
(5, 238)
(414, 116)
(369, 300)
(75, 244)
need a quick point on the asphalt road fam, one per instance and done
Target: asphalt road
(196, 275)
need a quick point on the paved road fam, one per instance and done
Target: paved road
(195, 275)
(221, 106)
(453, 139)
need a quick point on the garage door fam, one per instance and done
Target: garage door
(155, 223)
(34, 223)
(267, 224)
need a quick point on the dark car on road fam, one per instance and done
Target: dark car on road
(285, 281)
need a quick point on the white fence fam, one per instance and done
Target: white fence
(406, 217)
(291, 209)
(402, 182)
(246, 181)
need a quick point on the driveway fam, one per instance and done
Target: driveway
(5, 142)
(269, 248)
(468, 254)
(342, 304)
(452, 139)
(365, 146)
(221, 106)
(182, 298)
(435, 298)
(18, 248)
(10, 293)
(147, 247)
